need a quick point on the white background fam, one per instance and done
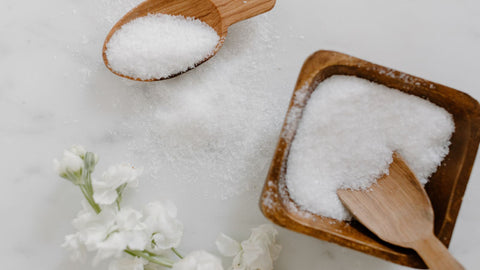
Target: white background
(55, 92)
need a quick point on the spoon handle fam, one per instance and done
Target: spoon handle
(435, 255)
(238, 10)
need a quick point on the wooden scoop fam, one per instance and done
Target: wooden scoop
(218, 14)
(397, 210)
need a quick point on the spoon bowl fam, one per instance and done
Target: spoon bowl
(218, 14)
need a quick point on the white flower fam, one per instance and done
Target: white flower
(105, 189)
(75, 245)
(108, 233)
(71, 165)
(165, 229)
(130, 228)
(93, 228)
(198, 260)
(78, 150)
(127, 232)
(128, 263)
(128, 219)
(257, 253)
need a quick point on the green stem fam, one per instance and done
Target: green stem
(153, 259)
(87, 189)
(177, 253)
(120, 190)
(95, 207)
(87, 175)
(90, 200)
(118, 204)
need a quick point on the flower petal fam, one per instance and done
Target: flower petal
(259, 251)
(103, 194)
(163, 226)
(198, 260)
(227, 246)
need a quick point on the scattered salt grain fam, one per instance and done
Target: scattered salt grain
(157, 46)
(346, 137)
(214, 128)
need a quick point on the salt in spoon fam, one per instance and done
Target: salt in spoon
(397, 210)
(218, 14)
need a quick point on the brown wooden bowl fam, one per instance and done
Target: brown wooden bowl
(446, 186)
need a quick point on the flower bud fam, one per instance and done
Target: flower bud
(70, 166)
(90, 160)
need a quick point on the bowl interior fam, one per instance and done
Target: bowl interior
(445, 188)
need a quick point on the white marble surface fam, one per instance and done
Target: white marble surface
(54, 92)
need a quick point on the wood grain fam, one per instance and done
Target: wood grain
(233, 11)
(218, 14)
(440, 258)
(446, 186)
(397, 210)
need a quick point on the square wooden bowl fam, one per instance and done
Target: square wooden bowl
(445, 189)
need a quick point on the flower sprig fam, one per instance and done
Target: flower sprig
(77, 166)
(135, 239)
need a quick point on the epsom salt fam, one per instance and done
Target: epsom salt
(347, 135)
(213, 128)
(157, 46)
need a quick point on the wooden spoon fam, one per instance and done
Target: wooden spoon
(397, 210)
(218, 14)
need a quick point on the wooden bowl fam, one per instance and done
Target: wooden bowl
(446, 186)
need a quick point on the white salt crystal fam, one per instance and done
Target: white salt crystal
(215, 127)
(347, 135)
(159, 45)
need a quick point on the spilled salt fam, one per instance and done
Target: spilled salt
(215, 127)
(346, 137)
(159, 45)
